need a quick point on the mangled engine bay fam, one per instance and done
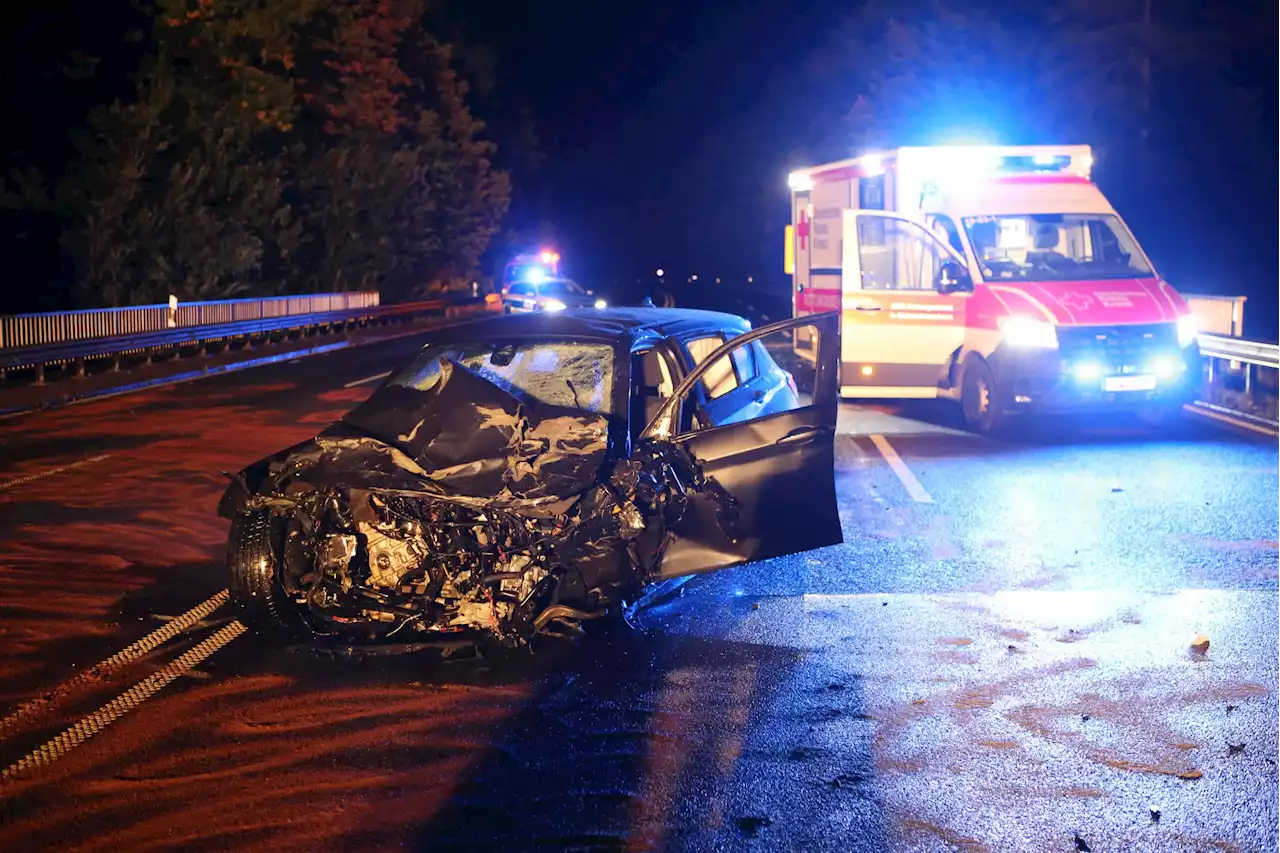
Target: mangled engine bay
(457, 509)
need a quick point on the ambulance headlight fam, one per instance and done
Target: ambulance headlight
(553, 305)
(1188, 328)
(1024, 332)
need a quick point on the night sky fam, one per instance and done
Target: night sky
(666, 129)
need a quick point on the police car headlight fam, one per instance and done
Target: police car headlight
(1188, 328)
(553, 305)
(1027, 333)
(600, 303)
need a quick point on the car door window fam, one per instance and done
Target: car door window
(720, 378)
(776, 377)
(519, 290)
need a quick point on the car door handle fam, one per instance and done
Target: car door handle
(867, 308)
(801, 435)
(758, 397)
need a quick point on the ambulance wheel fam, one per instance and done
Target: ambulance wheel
(979, 398)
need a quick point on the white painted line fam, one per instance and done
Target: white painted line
(1227, 419)
(124, 703)
(130, 653)
(373, 378)
(9, 484)
(909, 481)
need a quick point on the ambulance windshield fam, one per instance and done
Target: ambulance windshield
(1054, 247)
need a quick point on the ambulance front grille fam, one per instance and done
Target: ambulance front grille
(1117, 347)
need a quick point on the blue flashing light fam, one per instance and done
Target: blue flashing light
(1087, 371)
(1165, 367)
(534, 275)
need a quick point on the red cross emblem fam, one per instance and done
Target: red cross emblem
(1073, 300)
(802, 229)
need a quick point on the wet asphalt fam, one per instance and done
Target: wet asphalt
(998, 658)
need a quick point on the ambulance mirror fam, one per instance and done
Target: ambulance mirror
(954, 278)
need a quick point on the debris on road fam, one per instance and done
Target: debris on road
(1155, 815)
(750, 826)
(1082, 846)
(1234, 748)
(1200, 645)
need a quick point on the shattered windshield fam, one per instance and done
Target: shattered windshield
(1055, 247)
(572, 374)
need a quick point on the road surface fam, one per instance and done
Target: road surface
(997, 659)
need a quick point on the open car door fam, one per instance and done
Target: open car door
(769, 466)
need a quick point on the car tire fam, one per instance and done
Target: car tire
(253, 548)
(979, 396)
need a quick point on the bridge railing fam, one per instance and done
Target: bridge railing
(53, 327)
(1241, 377)
(66, 344)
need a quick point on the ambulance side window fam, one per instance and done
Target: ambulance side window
(897, 255)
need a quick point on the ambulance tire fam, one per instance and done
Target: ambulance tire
(978, 398)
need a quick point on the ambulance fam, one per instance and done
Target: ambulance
(999, 277)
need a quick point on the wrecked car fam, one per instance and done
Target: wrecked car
(524, 474)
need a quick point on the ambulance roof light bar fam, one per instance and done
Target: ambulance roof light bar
(970, 161)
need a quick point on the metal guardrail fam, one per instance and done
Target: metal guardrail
(81, 351)
(31, 330)
(1236, 349)
(1238, 380)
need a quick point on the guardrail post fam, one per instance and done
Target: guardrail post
(39, 374)
(80, 371)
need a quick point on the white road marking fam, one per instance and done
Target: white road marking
(909, 481)
(130, 653)
(124, 703)
(9, 484)
(373, 378)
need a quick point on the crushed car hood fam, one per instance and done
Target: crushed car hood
(466, 440)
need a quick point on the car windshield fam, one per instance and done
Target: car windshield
(572, 374)
(1054, 247)
(559, 288)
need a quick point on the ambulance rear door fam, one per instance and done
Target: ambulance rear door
(903, 307)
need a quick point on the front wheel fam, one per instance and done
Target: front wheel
(254, 546)
(979, 399)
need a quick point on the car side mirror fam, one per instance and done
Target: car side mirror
(954, 278)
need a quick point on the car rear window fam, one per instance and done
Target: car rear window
(573, 374)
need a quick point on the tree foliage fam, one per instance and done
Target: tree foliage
(275, 147)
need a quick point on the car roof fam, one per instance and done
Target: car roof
(626, 324)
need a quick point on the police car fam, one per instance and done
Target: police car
(536, 293)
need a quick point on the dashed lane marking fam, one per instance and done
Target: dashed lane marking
(128, 655)
(373, 378)
(909, 481)
(100, 719)
(9, 484)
